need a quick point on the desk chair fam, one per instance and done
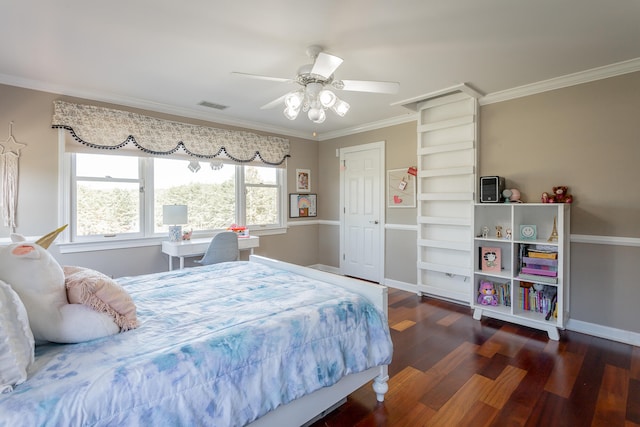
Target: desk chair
(223, 247)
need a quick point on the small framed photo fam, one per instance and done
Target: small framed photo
(303, 205)
(303, 180)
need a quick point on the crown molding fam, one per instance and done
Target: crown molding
(405, 118)
(593, 74)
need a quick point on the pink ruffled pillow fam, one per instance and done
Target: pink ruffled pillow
(100, 292)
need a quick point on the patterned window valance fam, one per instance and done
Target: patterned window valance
(105, 128)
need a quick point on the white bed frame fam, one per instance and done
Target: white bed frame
(310, 407)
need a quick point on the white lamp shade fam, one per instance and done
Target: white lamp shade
(174, 214)
(327, 98)
(317, 115)
(340, 107)
(294, 100)
(291, 113)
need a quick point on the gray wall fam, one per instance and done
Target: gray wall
(588, 138)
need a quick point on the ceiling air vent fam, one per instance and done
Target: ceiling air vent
(213, 105)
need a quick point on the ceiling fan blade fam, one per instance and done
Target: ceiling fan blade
(325, 65)
(274, 103)
(259, 77)
(367, 86)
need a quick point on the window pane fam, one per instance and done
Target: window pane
(107, 208)
(262, 205)
(101, 166)
(210, 195)
(259, 175)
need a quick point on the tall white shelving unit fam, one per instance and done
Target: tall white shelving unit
(446, 183)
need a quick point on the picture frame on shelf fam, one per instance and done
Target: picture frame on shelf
(490, 259)
(303, 205)
(528, 232)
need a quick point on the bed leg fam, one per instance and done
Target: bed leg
(380, 386)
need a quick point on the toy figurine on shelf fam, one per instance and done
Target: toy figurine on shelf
(498, 232)
(487, 294)
(507, 234)
(554, 232)
(485, 232)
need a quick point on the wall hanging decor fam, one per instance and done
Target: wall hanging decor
(303, 180)
(401, 188)
(9, 157)
(303, 205)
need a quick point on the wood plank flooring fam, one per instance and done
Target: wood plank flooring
(451, 370)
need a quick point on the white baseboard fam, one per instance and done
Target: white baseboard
(606, 332)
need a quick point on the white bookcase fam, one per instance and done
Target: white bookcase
(511, 307)
(447, 155)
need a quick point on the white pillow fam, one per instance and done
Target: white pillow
(16, 340)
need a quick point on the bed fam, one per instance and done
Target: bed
(257, 342)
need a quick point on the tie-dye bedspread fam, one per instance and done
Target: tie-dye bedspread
(218, 345)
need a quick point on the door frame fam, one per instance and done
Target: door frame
(380, 147)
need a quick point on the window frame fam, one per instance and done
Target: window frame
(147, 236)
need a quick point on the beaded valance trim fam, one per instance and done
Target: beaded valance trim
(106, 128)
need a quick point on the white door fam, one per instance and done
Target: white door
(362, 202)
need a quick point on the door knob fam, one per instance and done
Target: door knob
(374, 222)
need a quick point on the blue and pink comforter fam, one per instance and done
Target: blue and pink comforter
(218, 345)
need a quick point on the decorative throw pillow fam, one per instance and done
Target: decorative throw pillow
(103, 294)
(16, 340)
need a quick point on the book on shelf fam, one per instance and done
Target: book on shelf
(534, 253)
(538, 299)
(530, 261)
(537, 278)
(539, 272)
(490, 259)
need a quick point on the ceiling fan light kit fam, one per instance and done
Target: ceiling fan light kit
(317, 80)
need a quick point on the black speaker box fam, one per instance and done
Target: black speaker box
(491, 188)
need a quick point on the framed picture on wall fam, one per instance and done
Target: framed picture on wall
(303, 180)
(401, 189)
(303, 205)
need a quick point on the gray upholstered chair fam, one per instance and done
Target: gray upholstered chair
(223, 247)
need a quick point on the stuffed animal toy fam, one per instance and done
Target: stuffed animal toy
(39, 281)
(487, 294)
(559, 195)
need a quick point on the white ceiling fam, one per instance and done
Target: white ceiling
(168, 56)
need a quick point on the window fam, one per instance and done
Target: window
(119, 197)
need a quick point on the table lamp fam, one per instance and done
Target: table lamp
(174, 216)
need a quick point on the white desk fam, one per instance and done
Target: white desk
(195, 247)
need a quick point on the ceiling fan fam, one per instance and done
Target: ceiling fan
(317, 81)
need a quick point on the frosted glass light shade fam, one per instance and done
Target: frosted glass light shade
(294, 100)
(341, 107)
(291, 113)
(317, 115)
(327, 98)
(174, 214)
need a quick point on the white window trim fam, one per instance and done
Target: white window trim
(150, 239)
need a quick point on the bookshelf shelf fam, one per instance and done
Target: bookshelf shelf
(536, 270)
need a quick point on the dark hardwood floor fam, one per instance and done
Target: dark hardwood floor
(451, 370)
